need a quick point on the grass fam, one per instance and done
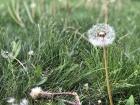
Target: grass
(63, 60)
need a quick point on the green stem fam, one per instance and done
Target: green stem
(107, 75)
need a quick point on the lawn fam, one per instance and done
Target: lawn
(42, 43)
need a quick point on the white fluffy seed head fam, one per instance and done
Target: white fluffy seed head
(99, 101)
(101, 35)
(33, 5)
(24, 102)
(11, 100)
(35, 92)
(31, 52)
(86, 86)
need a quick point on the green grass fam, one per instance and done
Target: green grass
(63, 59)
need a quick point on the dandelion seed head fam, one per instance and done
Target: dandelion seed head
(101, 35)
(35, 92)
(99, 101)
(31, 52)
(112, 1)
(60, 0)
(24, 102)
(86, 86)
(33, 5)
(4, 54)
(11, 100)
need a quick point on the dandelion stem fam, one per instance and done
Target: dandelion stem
(107, 75)
(20, 63)
(50, 95)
